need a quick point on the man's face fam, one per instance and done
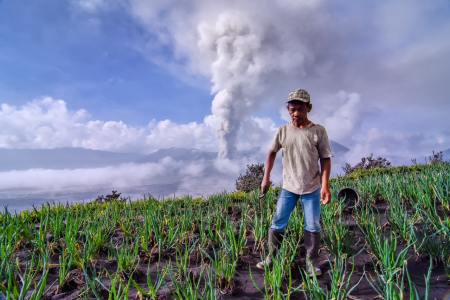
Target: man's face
(299, 111)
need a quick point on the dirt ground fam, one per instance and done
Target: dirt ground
(244, 287)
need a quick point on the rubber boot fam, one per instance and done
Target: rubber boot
(312, 245)
(275, 241)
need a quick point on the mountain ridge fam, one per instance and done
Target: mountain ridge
(77, 157)
(61, 158)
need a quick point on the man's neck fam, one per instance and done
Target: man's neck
(305, 123)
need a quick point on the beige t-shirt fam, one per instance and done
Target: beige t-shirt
(302, 148)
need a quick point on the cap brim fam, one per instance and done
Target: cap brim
(297, 99)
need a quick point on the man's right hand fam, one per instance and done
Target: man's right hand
(265, 185)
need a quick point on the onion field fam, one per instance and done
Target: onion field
(395, 244)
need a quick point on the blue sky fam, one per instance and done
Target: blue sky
(153, 75)
(50, 49)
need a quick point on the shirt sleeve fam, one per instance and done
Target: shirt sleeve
(276, 144)
(324, 145)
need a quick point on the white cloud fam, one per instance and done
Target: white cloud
(395, 145)
(193, 169)
(167, 134)
(47, 123)
(284, 114)
(343, 115)
(225, 165)
(94, 6)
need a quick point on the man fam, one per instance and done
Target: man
(303, 143)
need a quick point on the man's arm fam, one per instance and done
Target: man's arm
(325, 165)
(265, 184)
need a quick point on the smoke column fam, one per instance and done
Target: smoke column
(250, 50)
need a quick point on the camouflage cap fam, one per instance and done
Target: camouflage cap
(300, 95)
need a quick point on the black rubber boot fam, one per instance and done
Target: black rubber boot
(312, 245)
(275, 241)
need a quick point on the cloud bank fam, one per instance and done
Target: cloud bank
(47, 123)
(166, 178)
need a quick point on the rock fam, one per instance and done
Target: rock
(140, 219)
(49, 237)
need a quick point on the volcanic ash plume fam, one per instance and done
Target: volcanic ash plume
(248, 52)
(233, 47)
(251, 50)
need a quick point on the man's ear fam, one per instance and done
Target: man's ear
(310, 107)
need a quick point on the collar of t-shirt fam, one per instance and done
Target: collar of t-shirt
(307, 126)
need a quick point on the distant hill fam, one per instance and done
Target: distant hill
(185, 154)
(177, 154)
(61, 158)
(337, 148)
(77, 158)
(446, 155)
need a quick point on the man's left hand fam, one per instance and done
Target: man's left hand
(325, 195)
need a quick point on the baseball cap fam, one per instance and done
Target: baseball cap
(300, 95)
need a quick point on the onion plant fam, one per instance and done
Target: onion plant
(73, 248)
(27, 279)
(64, 267)
(13, 291)
(94, 282)
(187, 220)
(260, 226)
(275, 285)
(40, 286)
(400, 220)
(165, 237)
(153, 288)
(183, 260)
(40, 237)
(56, 223)
(118, 289)
(145, 233)
(340, 288)
(388, 258)
(7, 249)
(224, 265)
(203, 237)
(71, 239)
(190, 289)
(389, 283)
(446, 263)
(414, 294)
(432, 244)
(389, 268)
(441, 188)
(337, 236)
(97, 235)
(212, 228)
(229, 241)
(369, 223)
(126, 256)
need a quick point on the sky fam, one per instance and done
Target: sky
(138, 76)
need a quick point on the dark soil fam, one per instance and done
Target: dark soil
(244, 288)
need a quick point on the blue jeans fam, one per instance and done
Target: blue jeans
(286, 204)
